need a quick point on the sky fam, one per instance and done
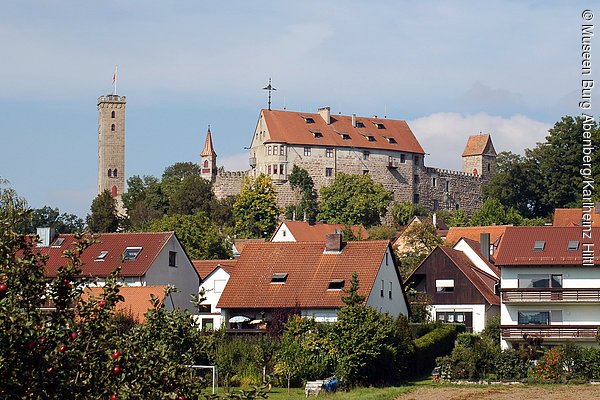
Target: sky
(450, 68)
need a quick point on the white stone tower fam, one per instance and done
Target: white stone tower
(208, 159)
(111, 146)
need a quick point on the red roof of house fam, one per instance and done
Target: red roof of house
(482, 281)
(115, 244)
(474, 232)
(518, 246)
(476, 246)
(137, 299)
(306, 232)
(205, 267)
(572, 217)
(239, 244)
(291, 127)
(478, 144)
(309, 271)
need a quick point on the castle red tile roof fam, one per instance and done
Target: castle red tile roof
(115, 244)
(518, 246)
(477, 144)
(307, 232)
(291, 127)
(137, 299)
(208, 150)
(572, 217)
(205, 267)
(309, 271)
(483, 282)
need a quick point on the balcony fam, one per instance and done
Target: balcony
(551, 332)
(392, 162)
(550, 295)
(252, 162)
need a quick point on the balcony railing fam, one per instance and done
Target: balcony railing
(578, 332)
(252, 162)
(551, 295)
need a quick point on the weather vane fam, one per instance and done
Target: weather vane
(269, 88)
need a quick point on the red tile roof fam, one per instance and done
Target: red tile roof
(518, 243)
(572, 217)
(240, 244)
(482, 281)
(208, 146)
(476, 246)
(137, 299)
(115, 243)
(477, 145)
(305, 232)
(205, 267)
(309, 273)
(291, 127)
(474, 232)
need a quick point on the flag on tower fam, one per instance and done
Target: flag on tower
(115, 80)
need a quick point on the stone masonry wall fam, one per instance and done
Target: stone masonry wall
(229, 183)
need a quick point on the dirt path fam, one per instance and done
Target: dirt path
(579, 392)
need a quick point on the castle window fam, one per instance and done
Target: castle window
(274, 169)
(447, 186)
(269, 169)
(309, 120)
(402, 158)
(345, 136)
(317, 134)
(379, 125)
(109, 173)
(281, 171)
(434, 181)
(115, 173)
(275, 148)
(488, 167)
(205, 163)
(416, 198)
(416, 160)
(391, 140)
(360, 124)
(416, 179)
(436, 205)
(269, 150)
(282, 150)
(329, 172)
(112, 114)
(307, 151)
(365, 155)
(370, 138)
(112, 127)
(329, 152)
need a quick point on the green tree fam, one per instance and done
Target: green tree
(193, 194)
(354, 200)
(104, 217)
(301, 181)
(404, 211)
(255, 209)
(352, 298)
(51, 217)
(144, 201)
(197, 234)
(382, 232)
(421, 240)
(492, 212)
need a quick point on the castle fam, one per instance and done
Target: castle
(323, 144)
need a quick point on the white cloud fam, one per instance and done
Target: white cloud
(444, 135)
(235, 162)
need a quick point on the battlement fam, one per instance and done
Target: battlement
(441, 171)
(225, 174)
(111, 98)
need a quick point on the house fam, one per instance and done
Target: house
(550, 285)
(474, 233)
(214, 275)
(310, 277)
(461, 284)
(145, 258)
(576, 216)
(136, 301)
(303, 231)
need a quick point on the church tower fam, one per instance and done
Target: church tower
(479, 156)
(111, 146)
(208, 159)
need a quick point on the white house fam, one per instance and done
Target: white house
(304, 231)
(215, 275)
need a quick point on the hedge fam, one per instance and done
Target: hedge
(436, 343)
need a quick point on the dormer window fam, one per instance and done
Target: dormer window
(131, 253)
(391, 140)
(336, 284)
(101, 256)
(360, 124)
(345, 136)
(573, 245)
(309, 120)
(370, 138)
(379, 125)
(279, 277)
(317, 134)
(58, 242)
(539, 245)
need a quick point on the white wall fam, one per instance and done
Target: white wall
(321, 315)
(283, 234)
(387, 273)
(474, 257)
(573, 277)
(213, 286)
(478, 310)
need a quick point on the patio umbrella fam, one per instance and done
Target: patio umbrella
(238, 319)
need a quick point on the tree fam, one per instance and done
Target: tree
(52, 218)
(492, 212)
(352, 298)
(301, 181)
(421, 240)
(403, 212)
(354, 200)
(382, 232)
(197, 234)
(255, 209)
(144, 201)
(104, 217)
(191, 195)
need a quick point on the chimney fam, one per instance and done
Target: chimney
(333, 242)
(354, 120)
(325, 113)
(434, 220)
(46, 236)
(484, 245)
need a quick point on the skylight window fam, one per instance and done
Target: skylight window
(279, 277)
(101, 256)
(131, 253)
(391, 140)
(345, 136)
(539, 245)
(58, 242)
(336, 284)
(360, 124)
(317, 134)
(370, 138)
(309, 120)
(573, 245)
(379, 125)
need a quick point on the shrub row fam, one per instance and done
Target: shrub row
(436, 343)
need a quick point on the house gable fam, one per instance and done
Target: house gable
(387, 293)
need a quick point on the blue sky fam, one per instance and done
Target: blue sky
(451, 68)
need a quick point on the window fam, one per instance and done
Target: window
(416, 198)
(434, 182)
(366, 155)
(336, 284)
(534, 318)
(488, 167)
(269, 169)
(370, 138)
(274, 169)
(131, 253)
(205, 163)
(329, 172)
(390, 291)
(329, 152)
(309, 120)
(172, 259)
(365, 172)
(281, 171)
(207, 324)
(307, 151)
(112, 114)
(203, 308)
(436, 205)
(112, 127)
(345, 136)
(391, 140)
(58, 242)
(416, 179)
(382, 288)
(447, 185)
(269, 150)
(379, 125)
(101, 256)
(416, 160)
(573, 245)
(115, 174)
(282, 150)
(219, 285)
(539, 245)
(360, 124)
(279, 277)
(109, 173)
(317, 135)
(275, 150)
(539, 281)
(444, 285)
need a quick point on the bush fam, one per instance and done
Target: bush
(436, 343)
(419, 329)
(588, 366)
(472, 358)
(510, 365)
